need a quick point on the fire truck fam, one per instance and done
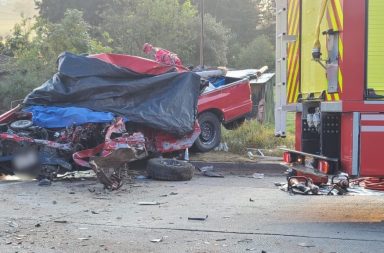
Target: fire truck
(330, 74)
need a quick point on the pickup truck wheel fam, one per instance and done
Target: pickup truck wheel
(170, 169)
(210, 136)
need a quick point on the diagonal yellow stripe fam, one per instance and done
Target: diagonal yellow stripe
(341, 48)
(292, 70)
(296, 21)
(340, 77)
(294, 83)
(295, 52)
(332, 17)
(340, 13)
(292, 31)
(291, 60)
(337, 98)
(293, 48)
(291, 78)
(295, 91)
(293, 11)
(290, 12)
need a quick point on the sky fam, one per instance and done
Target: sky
(10, 13)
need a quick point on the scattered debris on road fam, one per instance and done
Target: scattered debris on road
(206, 168)
(44, 182)
(246, 240)
(198, 218)
(60, 221)
(13, 224)
(306, 245)
(339, 184)
(149, 203)
(157, 240)
(209, 173)
(141, 177)
(258, 175)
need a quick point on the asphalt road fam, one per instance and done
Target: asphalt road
(79, 216)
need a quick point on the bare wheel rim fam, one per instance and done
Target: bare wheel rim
(207, 132)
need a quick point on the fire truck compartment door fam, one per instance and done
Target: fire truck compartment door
(375, 46)
(371, 141)
(313, 75)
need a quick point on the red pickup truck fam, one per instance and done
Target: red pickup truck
(227, 105)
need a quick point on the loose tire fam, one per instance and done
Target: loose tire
(210, 136)
(170, 169)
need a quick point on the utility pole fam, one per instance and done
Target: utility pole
(202, 34)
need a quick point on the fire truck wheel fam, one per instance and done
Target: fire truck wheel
(170, 169)
(210, 136)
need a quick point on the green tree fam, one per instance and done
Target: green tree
(258, 53)
(267, 17)
(54, 10)
(247, 20)
(241, 16)
(71, 34)
(216, 40)
(163, 23)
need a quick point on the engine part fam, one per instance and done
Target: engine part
(111, 170)
(21, 124)
(298, 183)
(341, 181)
(302, 185)
(314, 188)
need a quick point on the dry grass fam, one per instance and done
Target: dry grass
(255, 135)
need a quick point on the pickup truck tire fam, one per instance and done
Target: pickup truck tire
(170, 169)
(210, 136)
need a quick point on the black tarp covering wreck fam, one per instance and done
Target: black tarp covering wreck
(167, 101)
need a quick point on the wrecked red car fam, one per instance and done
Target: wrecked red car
(102, 112)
